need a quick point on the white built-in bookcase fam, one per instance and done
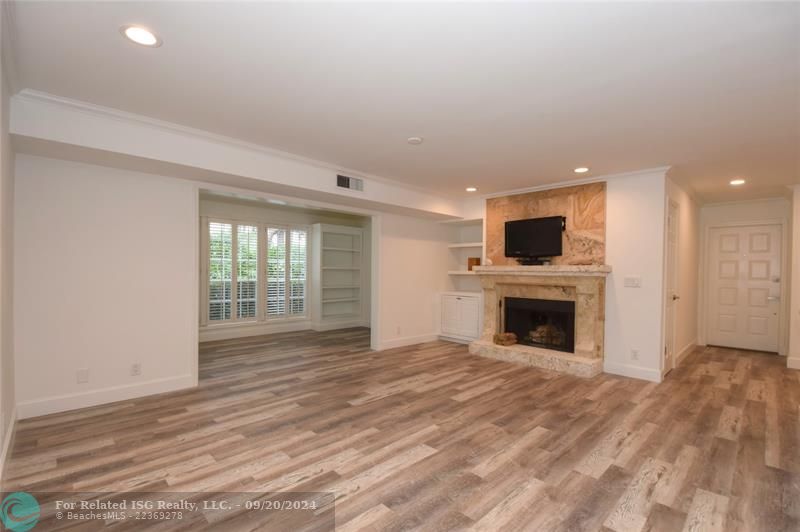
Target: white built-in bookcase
(337, 274)
(466, 241)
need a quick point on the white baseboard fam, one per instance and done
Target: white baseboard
(407, 340)
(457, 339)
(62, 403)
(628, 370)
(332, 326)
(241, 330)
(793, 362)
(684, 353)
(8, 441)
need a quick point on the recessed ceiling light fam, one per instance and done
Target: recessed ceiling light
(415, 141)
(276, 202)
(472, 189)
(737, 182)
(581, 170)
(141, 35)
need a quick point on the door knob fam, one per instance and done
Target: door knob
(675, 297)
(773, 298)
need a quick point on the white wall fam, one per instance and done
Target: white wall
(794, 306)
(635, 207)
(7, 401)
(106, 268)
(412, 273)
(686, 317)
(777, 210)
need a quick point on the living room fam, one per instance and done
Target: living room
(491, 266)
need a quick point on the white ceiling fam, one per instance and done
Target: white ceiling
(507, 96)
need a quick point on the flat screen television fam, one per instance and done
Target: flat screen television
(531, 240)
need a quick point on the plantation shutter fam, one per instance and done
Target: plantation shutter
(276, 271)
(297, 271)
(220, 271)
(247, 270)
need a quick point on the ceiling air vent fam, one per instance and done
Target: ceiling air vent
(353, 183)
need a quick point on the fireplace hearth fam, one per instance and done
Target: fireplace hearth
(545, 323)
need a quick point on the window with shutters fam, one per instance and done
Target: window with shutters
(243, 288)
(276, 271)
(297, 271)
(247, 271)
(287, 258)
(220, 271)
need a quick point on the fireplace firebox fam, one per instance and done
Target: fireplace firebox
(541, 322)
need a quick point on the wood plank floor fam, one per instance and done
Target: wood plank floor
(430, 437)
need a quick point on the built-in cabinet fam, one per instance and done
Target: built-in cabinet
(461, 313)
(461, 304)
(337, 276)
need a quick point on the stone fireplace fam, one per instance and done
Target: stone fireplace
(557, 313)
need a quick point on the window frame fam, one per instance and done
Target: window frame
(261, 279)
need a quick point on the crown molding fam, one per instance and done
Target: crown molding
(749, 201)
(39, 97)
(583, 181)
(35, 96)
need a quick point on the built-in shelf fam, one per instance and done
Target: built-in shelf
(464, 221)
(465, 245)
(346, 250)
(343, 315)
(462, 292)
(341, 300)
(336, 266)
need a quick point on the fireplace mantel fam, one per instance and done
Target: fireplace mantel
(578, 271)
(585, 285)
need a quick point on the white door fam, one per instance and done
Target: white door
(470, 317)
(744, 287)
(451, 315)
(671, 292)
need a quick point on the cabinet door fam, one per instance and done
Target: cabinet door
(451, 315)
(470, 314)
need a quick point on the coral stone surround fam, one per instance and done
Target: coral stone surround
(585, 285)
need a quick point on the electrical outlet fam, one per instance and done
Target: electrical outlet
(82, 375)
(633, 282)
(634, 354)
(136, 369)
(398, 330)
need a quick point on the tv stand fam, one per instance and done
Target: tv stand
(532, 261)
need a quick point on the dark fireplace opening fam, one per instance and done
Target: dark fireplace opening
(541, 322)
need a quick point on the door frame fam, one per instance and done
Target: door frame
(672, 205)
(783, 321)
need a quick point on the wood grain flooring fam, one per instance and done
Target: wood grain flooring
(430, 437)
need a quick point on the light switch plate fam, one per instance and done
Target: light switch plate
(633, 282)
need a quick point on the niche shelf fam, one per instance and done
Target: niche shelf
(336, 269)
